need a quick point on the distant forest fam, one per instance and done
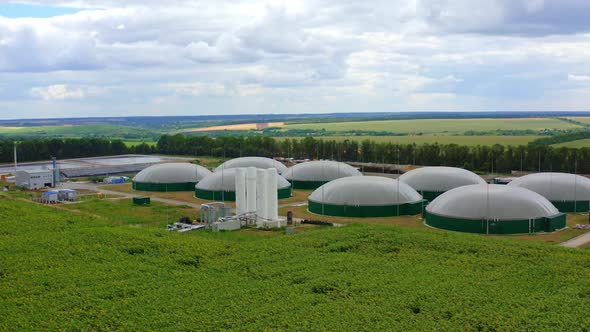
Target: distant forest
(496, 159)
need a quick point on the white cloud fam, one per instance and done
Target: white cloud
(57, 92)
(584, 78)
(199, 89)
(296, 56)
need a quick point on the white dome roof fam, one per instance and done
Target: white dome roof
(556, 186)
(258, 162)
(483, 201)
(365, 191)
(440, 178)
(226, 181)
(320, 170)
(172, 173)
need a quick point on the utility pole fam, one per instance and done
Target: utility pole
(15, 158)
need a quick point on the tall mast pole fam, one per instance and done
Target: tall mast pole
(15, 158)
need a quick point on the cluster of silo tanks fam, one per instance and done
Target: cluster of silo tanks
(449, 198)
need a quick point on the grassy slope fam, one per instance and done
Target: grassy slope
(62, 270)
(455, 126)
(426, 139)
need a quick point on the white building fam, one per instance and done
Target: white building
(35, 179)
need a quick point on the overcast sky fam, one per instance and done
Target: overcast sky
(61, 58)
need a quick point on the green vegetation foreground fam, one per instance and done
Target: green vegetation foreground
(60, 270)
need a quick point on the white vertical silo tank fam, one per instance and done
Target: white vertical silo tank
(261, 195)
(251, 189)
(272, 199)
(241, 200)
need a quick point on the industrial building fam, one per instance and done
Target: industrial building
(221, 186)
(493, 209)
(170, 177)
(35, 179)
(365, 196)
(258, 162)
(96, 166)
(568, 192)
(433, 181)
(313, 174)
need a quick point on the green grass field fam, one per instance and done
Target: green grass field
(87, 130)
(80, 270)
(440, 126)
(582, 143)
(583, 119)
(430, 139)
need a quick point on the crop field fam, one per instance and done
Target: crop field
(431, 139)
(582, 143)
(243, 126)
(63, 270)
(440, 126)
(20, 130)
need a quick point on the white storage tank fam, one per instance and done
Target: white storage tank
(313, 174)
(365, 196)
(493, 209)
(258, 162)
(435, 180)
(568, 192)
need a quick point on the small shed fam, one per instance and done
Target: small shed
(142, 200)
(50, 197)
(67, 195)
(114, 180)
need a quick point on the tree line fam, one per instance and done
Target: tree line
(568, 137)
(494, 159)
(67, 148)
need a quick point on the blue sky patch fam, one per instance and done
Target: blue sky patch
(15, 10)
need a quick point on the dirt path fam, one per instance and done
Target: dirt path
(94, 187)
(576, 242)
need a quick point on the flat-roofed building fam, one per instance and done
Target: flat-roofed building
(36, 179)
